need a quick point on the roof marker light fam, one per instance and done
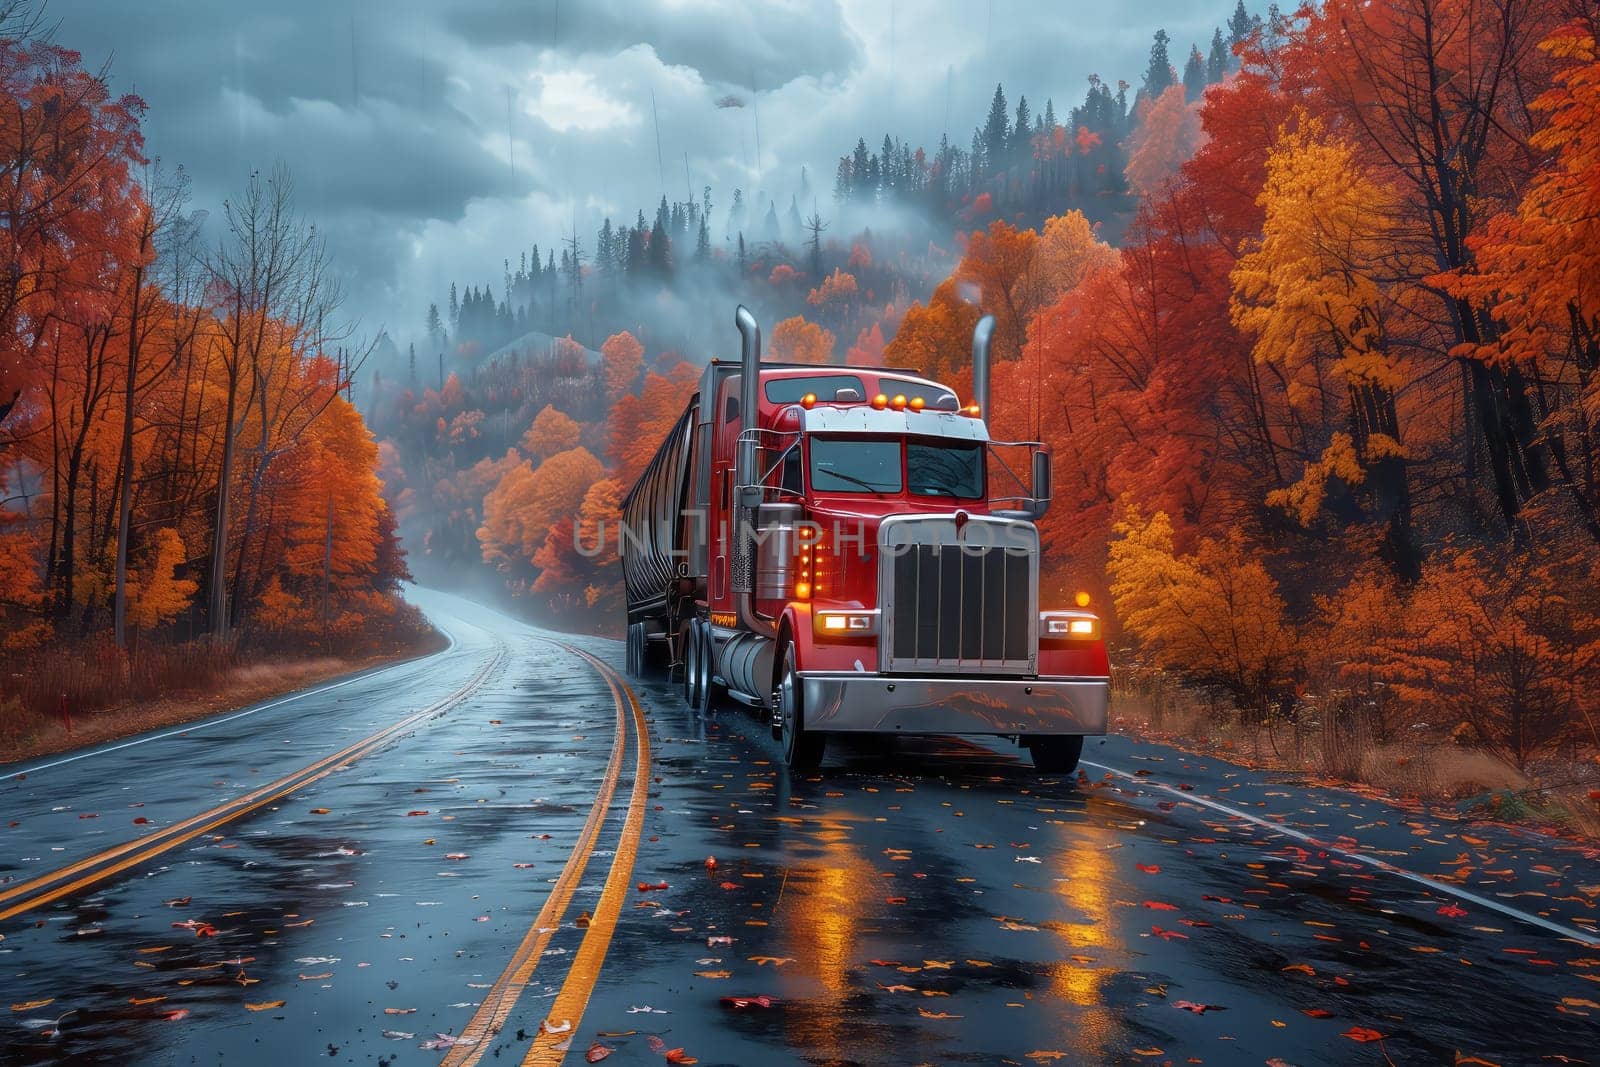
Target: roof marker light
(808, 401)
(972, 411)
(917, 403)
(899, 402)
(880, 402)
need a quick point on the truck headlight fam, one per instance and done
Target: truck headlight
(845, 623)
(1069, 625)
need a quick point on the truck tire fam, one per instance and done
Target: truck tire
(1055, 755)
(802, 748)
(691, 663)
(635, 658)
(708, 694)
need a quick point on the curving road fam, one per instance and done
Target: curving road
(481, 856)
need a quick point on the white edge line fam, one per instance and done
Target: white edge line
(1588, 940)
(204, 724)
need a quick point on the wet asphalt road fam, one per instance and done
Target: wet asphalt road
(936, 901)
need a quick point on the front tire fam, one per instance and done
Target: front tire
(802, 748)
(1055, 755)
(635, 661)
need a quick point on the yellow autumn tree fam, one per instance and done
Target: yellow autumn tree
(1215, 614)
(552, 431)
(157, 595)
(1067, 252)
(1311, 293)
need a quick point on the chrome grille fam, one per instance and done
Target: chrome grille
(958, 600)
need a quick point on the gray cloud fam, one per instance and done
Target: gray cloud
(432, 140)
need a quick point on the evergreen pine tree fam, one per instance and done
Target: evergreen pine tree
(1194, 75)
(455, 309)
(1217, 61)
(1241, 24)
(1158, 77)
(996, 132)
(1022, 134)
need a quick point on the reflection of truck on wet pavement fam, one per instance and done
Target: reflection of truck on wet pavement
(845, 550)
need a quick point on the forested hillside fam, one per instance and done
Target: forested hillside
(830, 273)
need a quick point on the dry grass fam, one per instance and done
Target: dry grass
(181, 685)
(1345, 751)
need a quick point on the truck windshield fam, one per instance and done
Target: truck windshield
(945, 468)
(931, 467)
(842, 465)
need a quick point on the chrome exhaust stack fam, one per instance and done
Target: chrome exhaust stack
(746, 478)
(982, 335)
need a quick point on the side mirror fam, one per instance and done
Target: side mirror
(1041, 483)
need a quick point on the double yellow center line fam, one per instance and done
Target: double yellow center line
(65, 881)
(551, 1042)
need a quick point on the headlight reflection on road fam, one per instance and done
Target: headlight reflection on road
(821, 918)
(1084, 876)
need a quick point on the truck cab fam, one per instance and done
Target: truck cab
(851, 553)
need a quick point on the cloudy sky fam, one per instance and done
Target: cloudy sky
(431, 139)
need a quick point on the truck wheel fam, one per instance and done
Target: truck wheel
(802, 748)
(708, 694)
(1055, 755)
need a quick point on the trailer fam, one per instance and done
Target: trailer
(845, 550)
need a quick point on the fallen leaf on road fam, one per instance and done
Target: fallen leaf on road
(677, 1055)
(1317, 1013)
(926, 1014)
(1157, 905)
(712, 974)
(443, 1041)
(1452, 912)
(1198, 1009)
(1149, 868)
(1363, 1034)
(319, 811)
(29, 1005)
(265, 1005)
(746, 1003)
(776, 961)
(398, 1035)
(176, 1016)
(399, 1011)
(597, 1052)
(1303, 968)
(140, 1002)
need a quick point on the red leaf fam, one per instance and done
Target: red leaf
(1452, 912)
(1317, 1013)
(677, 1055)
(1363, 1034)
(1149, 868)
(597, 1052)
(1157, 905)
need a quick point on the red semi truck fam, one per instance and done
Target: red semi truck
(844, 550)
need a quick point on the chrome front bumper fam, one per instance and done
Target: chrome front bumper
(875, 703)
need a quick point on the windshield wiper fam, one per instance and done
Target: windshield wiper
(862, 482)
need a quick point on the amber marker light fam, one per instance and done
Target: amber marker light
(898, 403)
(802, 590)
(972, 411)
(880, 402)
(1081, 599)
(808, 401)
(917, 403)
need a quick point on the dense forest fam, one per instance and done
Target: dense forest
(179, 455)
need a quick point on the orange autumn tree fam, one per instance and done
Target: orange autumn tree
(1161, 143)
(552, 431)
(1538, 268)
(794, 340)
(519, 511)
(621, 357)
